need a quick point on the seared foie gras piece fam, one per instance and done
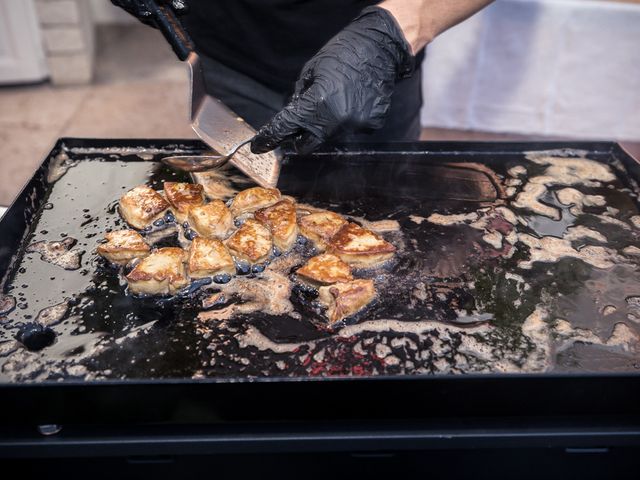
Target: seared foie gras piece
(360, 247)
(160, 273)
(208, 257)
(141, 205)
(251, 243)
(122, 246)
(252, 199)
(280, 219)
(324, 269)
(183, 197)
(212, 220)
(345, 299)
(320, 227)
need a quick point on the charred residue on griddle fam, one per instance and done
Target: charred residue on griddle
(58, 166)
(54, 314)
(59, 253)
(7, 304)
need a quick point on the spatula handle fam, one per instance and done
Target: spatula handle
(172, 29)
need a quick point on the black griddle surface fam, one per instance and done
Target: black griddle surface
(451, 301)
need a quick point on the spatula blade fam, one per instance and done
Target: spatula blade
(220, 128)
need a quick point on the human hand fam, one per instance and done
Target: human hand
(348, 84)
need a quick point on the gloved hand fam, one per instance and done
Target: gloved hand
(347, 85)
(140, 8)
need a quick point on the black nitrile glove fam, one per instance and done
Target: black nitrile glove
(347, 85)
(141, 10)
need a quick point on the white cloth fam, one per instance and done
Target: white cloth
(549, 67)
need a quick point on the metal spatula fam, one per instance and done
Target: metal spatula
(200, 163)
(216, 124)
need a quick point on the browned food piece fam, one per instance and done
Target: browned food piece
(209, 257)
(360, 247)
(345, 299)
(252, 199)
(122, 246)
(213, 220)
(217, 184)
(159, 273)
(141, 205)
(251, 243)
(280, 219)
(320, 227)
(325, 269)
(183, 197)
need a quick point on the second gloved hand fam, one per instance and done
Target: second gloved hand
(348, 85)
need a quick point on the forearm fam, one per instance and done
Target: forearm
(422, 20)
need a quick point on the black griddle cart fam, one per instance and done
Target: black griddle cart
(160, 420)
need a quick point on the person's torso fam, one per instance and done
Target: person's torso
(269, 40)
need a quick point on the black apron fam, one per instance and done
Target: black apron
(253, 51)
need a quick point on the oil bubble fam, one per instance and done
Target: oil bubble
(222, 278)
(35, 337)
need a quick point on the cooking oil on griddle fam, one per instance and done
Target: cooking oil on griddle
(504, 265)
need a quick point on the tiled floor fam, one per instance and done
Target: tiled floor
(140, 90)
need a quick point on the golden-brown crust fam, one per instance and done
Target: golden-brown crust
(325, 269)
(122, 246)
(358, 246)
(183, 197)
(141, 205)
(251, 242)
(320, 227)
(209, 257)
(252, 199)
(161, 272)
(280, 219)
(212, 220)
(345, 299)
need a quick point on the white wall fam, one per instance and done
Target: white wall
(555, 67)
(22, 56)
(105, 12)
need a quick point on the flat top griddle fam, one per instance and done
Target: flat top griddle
(463, 294)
